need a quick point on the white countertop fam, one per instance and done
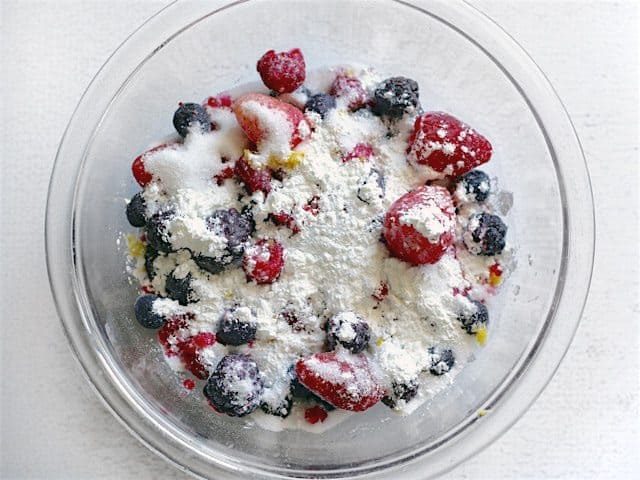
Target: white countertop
(584, 426)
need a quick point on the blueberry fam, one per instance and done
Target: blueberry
(303, 393)
(365, 191)
(485, 234)
(180, 289)
(278, 400)
(150, 255)
(349, 330)
(395, 96)
(137, 211)
(401, 391)
(237, 326)
(211, 264)
(189, 114)
(282, 410)
(478, 317)
(232, 225)
(145, 314)
(236, 386)
(320, 103)
(441, 360)
(157, 231)
(476, 185)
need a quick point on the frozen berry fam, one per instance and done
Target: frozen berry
(237, 326)
(145, 314)
(282, 72)
(150, 255)
(303, 393)
(140, 173)
(349, 88)
(315, 414)
(447, 145)
(263, 261)
(191, 115)
(236, 385)
(211, 264)
(475, 317)
(137, 211)
(254, 179)
(395, 96)
(346, 381)
(400, 391)
(441, 360)
(362, 152)
(284, 219)
(233, 226)
(372, 186)
(485, 234)
(475, 185)
(419, 226)
(349, 330)
(158, 234)
(320, 103)
(267, 119)
(180, 289)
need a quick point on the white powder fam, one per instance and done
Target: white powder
(428, 219)
(333, 264)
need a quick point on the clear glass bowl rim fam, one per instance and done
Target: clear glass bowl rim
(513, 397)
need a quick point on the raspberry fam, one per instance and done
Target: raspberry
(219, 101)
(350, 88)
(254, 179)
(362, 151)
(315, 414)
(345, 381)
(263, 262)
(447, 145)
(419, 226)
(139, 172)
(286, 220)
(264, 118)
(283, 71)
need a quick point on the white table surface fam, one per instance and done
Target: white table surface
(584, 426)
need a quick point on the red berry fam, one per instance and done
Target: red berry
(350, 88)
(446, 144)
(345, 381)
(139, 172)
(219, 101)
(264, 118)
(286, 220)
(189, 384)
(223, 175)
(381, 292)
(263, 261)
(419, 226)
(315, 414)
(362, 151)
(312, 206)
(254, 179)
(284, 71)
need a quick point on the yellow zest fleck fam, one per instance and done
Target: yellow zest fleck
(482, 413)
(228, 294)
(379, 341)
(481, 335)
(135, 246)
(494, 280)
(289, 163)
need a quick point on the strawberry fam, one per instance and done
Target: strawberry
(142, 176)
(447, 145)
(350, 88)
(219, 101)
(283, 72)
(419, 226)
(263, 261)
(267, 119)
(343, 380)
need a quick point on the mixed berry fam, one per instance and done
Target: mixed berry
(243, 233)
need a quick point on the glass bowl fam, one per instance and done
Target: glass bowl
(465, 64)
